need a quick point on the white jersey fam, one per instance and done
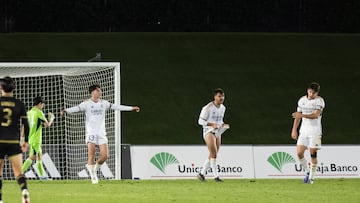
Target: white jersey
(95, 115)
(306, 106)
(211, 114)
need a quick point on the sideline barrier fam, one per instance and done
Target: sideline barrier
(242, 161)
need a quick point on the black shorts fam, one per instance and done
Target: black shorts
(9, 150)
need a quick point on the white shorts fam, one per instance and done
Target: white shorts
(96, 139)
(216, 132)
(309, 141)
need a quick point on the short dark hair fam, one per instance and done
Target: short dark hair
(38, 100)
(7, 84)
(314, 86)
(218, 90)
(93, 87)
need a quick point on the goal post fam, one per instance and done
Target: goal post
(65, 84)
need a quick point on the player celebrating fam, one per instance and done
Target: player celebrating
(36, 120)
(309, 111)
(211, 119)
(13, 121)
(94, 109)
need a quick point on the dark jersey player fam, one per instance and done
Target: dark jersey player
(14, 131)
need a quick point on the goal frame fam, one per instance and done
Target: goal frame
(70, 65)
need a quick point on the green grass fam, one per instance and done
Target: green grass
(245, 190)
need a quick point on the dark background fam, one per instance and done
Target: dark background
(180, 16)
(173, 53)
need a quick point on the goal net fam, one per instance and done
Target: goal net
(66, 85)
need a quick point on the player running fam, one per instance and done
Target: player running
(14, 132)
(211, 119)
(94, 109)
(309, 112)
(37, 120)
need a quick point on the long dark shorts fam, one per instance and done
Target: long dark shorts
(9, 150)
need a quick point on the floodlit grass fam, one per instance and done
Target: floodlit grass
(245, 190)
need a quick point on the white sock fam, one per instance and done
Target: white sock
(213, 167)
(205, 167)
(312, 171)
(303, 163)
(97, 166)
(91, 169)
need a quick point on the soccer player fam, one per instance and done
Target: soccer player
(211, 119)
(309, 112)
(37, 120)
(14, 131)
(94, 109)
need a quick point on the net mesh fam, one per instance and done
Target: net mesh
(64, 142)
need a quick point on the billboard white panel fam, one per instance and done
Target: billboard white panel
(181, 162)
(239, 161)
(282, 162)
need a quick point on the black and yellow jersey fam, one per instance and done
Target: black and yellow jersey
(12, 116)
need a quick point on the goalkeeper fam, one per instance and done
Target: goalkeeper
(36, 119)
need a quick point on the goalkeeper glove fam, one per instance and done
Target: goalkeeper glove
(51, 117)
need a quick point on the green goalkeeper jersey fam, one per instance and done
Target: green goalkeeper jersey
(36, 119)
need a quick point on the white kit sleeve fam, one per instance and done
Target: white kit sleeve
(73, 109)
(320, 104)
(80, 107)
(121, 107)
(299, 109)
(203, 116)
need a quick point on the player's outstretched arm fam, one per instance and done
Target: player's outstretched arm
(136, 108)
(71, 110)
(124, 108)
(226, 125)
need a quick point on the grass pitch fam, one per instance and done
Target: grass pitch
(245, 190)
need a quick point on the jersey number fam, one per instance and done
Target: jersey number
(7, 116)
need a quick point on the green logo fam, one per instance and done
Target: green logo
(279, 159)
(162, 159)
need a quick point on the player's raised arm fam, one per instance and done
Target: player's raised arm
(71, 110)
(74, 109)
(136, 108)
(124, 108)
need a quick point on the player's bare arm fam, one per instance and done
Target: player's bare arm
(24, 134)
(136, 108)
(294, 132)
(314, 115)
(226, 125)
(214, 125)
(70, 110)
(202, 121)
(24, 145)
